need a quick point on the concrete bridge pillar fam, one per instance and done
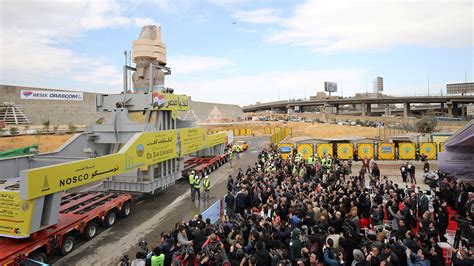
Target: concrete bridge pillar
(337, 108)
(366, 109)
(387, 110)
(442, 110)
(406, 109)
(450, 109)
(456, 110)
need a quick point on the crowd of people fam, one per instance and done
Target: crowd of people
(310, 212)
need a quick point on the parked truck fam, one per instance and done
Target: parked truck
(80, 216)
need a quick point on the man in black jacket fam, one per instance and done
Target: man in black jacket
(230, 203)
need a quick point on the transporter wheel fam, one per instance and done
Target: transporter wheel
(110, 219)
(91, 230)
(126, 209)
(68, 245)
(38, 256)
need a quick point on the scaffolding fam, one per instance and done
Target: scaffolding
(12, 114)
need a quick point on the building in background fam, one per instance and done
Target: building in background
(64, 107)
(378, 85)
(460, 88)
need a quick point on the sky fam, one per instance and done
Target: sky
(243, 51)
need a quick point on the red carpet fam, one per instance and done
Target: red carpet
(452, 225)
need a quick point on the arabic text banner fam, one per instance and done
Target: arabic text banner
(216, 139)
(170, 102)
(15, 214)
(151, 148)
(192, 140)
(43, 181)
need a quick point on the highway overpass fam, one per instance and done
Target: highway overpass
(449, 105)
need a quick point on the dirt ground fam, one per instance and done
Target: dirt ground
(47, 143)
(301, 129)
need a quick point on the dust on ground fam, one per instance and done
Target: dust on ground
(300, 129)
(46, 143)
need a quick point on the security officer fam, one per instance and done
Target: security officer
(298, 158)
(196, 188)
(191, 180)
(311, 160)
(329, 163)
(323, 164)
(207, 187)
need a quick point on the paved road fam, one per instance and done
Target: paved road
(154, 215)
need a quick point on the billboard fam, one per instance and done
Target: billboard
(345, 151)
(305, 149)
(51, 95)
(365, 150)
(406, 151)
(330, 86)
(386, 151)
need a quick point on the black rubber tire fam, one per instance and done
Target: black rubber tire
(69, 242)
(38, 256)
(91, 230)
(126, 210)
(110, 219)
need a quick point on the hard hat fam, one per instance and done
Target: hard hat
(192, 172)
(206, 176)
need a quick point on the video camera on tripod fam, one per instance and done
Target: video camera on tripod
(464, 233)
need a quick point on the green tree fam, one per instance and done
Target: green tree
(46, 125)
(13, 132)
(426, 124)
(72, 128)
(38, 134)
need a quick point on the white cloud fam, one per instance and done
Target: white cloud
(246, 89)
(34, 33)
(227, 2)
(247, 30)
(185, 64)
(348, 25)
(259, 16)
(105, 75)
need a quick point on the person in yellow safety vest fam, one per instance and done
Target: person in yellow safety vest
(196, 188)
(206, 183)
(298, 158)
(329, 163)
(295, 171)
(302, 172)
(158, 258)
(191, 181)
(311, 160)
